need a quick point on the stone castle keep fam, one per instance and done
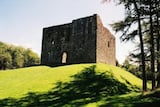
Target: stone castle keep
(85, 40)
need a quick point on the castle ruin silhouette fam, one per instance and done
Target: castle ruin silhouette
(85, 40)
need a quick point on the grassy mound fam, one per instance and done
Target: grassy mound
(19, 82)
(76, 85)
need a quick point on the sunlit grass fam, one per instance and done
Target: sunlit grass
(40, 86)
(17, 83)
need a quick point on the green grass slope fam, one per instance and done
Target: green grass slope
(17, 83)
(74, 85)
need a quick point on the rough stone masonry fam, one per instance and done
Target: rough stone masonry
(85, 40)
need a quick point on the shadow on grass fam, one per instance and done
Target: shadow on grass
(86, 87)
(131, 101)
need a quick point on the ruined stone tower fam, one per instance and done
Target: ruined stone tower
(85, 40)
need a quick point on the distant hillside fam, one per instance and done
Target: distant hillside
(74, 85)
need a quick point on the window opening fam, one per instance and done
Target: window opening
(52, 42)
(64, 57)
(108, 44)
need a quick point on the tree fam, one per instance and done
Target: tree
(16, 57)
(133, 16)
(152, 45)
(158, 42)
(151, 9)
(140, 12)
(5, 57)
(134, 69)
(5, 61)
(30, 58)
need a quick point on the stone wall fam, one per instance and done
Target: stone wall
(70, 43)
(106, 52)
(82, 41)
(55, 42)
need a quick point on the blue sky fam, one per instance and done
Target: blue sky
(22, 21)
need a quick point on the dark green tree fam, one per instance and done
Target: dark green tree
(140, 13)
(133, 17)
(5, 61)
(16, 57)
(30, 58)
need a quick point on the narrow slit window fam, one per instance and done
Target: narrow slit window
(108, 44)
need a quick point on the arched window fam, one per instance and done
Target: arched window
(52, 42)
(64, 57)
